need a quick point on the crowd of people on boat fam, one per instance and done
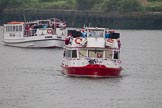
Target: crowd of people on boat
(31, 27)
(84, 33)
(109, 34)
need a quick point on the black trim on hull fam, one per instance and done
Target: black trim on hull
(32, 41)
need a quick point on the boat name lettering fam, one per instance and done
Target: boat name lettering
(59, 37)
(48, 36)
(12, 35)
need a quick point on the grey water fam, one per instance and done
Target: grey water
(32, 78)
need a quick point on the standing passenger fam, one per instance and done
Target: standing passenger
(107, 34)
(27, 30)
(84, 33)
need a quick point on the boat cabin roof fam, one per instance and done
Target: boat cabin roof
(91, 48)
(15, 22)
(94, 28)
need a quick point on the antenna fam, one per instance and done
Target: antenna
(89, 24)
(24, 18)
(84, 26)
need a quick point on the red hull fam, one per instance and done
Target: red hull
(92, 71)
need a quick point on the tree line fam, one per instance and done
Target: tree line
(93, 5)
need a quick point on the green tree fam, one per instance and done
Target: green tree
(129, 5)
(110, 5)
(154, 0)
(48, 0)
(3, 5)
(17, 3)
(85, 4)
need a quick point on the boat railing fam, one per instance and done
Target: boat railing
(29, 33)
(34, 32)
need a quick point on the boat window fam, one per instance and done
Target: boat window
(74, 53)
(17, 28)
(95, 33)
(108, 54)
(8, 28)
(95, 53)
(116, 55)
(82, 53)
(20, 28)
(13, 28)
(64, 54)
(68, 53)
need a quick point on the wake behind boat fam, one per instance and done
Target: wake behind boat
(39, 33)
(92, 52)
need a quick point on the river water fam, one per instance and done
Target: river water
(32, 78)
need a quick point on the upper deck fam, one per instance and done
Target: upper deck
(92, 37)
(34, 29)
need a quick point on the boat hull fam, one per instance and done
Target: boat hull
(92, 71)
(38, 43)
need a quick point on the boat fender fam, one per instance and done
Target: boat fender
(119, 61)
(78, 40)
(49, 31)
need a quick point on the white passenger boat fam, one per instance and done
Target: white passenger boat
(39, 33)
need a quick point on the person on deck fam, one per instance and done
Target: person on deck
(84, 33)
(27, 30)
(107, 34)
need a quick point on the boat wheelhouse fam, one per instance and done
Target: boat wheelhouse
(39, 33)
(93, 55)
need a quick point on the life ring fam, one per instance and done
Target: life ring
(110, 40)
(78, 40)
(49, 31)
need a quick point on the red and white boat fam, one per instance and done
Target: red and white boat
(93, 55)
